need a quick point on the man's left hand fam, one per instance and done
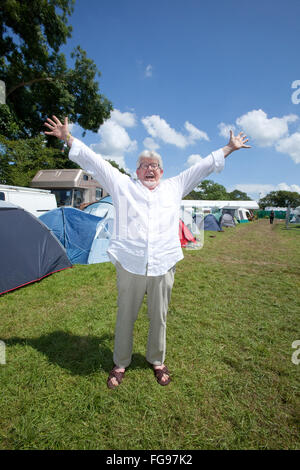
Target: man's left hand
(236, 142)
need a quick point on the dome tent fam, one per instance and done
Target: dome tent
(103, 208)
(74, 229)
(227, 220)
(28, 250)
(98, 252)
(211, 223)
(185, 235)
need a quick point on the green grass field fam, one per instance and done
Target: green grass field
(233, 317)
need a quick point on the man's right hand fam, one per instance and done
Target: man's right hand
(59, 130)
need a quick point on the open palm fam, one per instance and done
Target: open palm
(238, 141)
(57, 129)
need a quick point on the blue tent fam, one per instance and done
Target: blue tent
(104, 199)
(75, 230)
(98, 252)
(105, 209)
(211, 223)
(102, 208)
(28, 250)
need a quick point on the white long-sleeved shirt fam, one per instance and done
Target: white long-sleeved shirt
(146, 228)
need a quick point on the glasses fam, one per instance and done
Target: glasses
(145, 166)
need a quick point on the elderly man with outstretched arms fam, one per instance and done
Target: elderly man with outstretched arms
(145, 245)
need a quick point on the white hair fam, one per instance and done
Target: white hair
(149, 154)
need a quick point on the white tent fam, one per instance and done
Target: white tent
(192, 218)
(209, 204)
(296, 216)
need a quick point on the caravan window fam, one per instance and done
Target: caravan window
(63, 197)
(99, 193)
(68, 197)
(78, 197)
(2, 196)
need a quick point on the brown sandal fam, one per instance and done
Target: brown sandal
(159, 373)
(117, 375)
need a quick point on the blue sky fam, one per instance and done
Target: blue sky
(180, 72)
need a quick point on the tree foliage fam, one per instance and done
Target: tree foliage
(8, 124)
(280, 199)
(209, 190)
(237, 195)
(38, 80)
(21, 159)
(115, 164)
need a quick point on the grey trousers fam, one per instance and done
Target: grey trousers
(131, 291)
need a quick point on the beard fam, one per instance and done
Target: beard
(150, 183)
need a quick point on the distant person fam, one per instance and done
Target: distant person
(272, 215)
(145, 246)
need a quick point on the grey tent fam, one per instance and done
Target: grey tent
(28, 250)
(211, 223)
(227, 221)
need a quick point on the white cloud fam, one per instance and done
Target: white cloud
(295, 187)
(286, 187)
(252, 188)
(149, 71)
(260, 190)
(194, 133)
(268, 132)
(123, 119)
(150, 144)
(158, 128)
(114, 139)
(264, 131)
(225, 128)
(291, 146)
(193, 159)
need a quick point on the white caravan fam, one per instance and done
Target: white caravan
(35, 201)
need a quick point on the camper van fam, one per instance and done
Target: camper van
(35, 201)
(71, 187)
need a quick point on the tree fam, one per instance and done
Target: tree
(280, 199)
(38, 81)
(237, 195)
(21, 159)
(207, 189)
(115, 164)
(8, 124)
